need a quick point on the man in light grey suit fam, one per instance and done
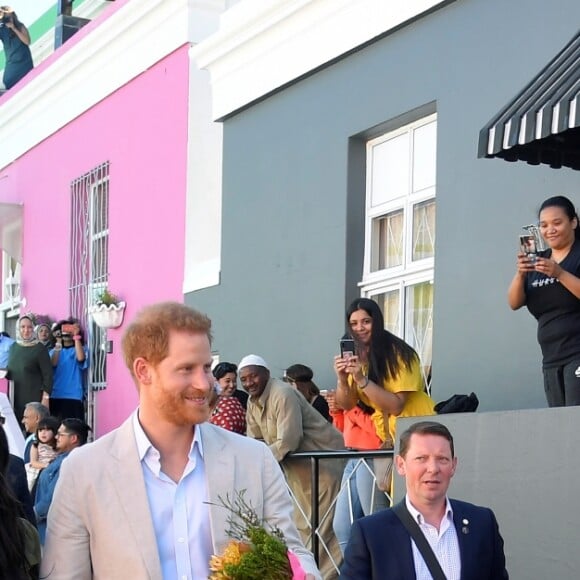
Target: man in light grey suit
(140, 502)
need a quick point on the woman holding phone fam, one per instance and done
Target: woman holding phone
(385, 372)
(549, 285)
(379, 382)
(70, 358)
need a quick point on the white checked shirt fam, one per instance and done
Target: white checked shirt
(444, 544)
(180, 516)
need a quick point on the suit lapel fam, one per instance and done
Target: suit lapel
(220, 478)
(405, 553)
(128, 481)
(464, 538)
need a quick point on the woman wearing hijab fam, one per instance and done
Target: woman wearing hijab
(29, 368)
(44, 334)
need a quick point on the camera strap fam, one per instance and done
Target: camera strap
(420, 540)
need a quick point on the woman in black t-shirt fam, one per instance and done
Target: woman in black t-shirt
(549, 286)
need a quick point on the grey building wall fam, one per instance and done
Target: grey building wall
(531, 485)
(293, 199)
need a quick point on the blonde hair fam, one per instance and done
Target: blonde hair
(148, 335)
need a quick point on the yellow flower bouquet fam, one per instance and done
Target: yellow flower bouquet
(256, 551)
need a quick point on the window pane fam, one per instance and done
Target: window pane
(100, 259)
(419, 322)
(424, 157)
(390, 305)
(98, 358)
(388, 233)
(390, 170)
(424, 230)
(100, 214)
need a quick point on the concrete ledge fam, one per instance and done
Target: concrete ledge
(525, 465)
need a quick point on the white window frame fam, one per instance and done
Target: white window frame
(410, 272)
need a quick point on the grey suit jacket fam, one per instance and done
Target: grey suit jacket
(99, 523)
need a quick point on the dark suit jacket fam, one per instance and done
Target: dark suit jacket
(380, 546)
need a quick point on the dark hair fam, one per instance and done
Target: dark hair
(9, 12)
(302, 376)
(223, 368)
(425, 428)
(12, 540)
(4, 452)
(77, 427)
(387, 352)
(57, 327)
(299, 373)
(51, 423)
(568, 207)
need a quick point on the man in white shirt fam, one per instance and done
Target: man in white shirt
(141, 502)
(464, 538)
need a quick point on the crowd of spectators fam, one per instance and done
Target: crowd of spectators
(378, 382)
(45, 364)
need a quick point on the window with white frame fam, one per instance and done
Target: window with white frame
(90, 269)
(400, 232)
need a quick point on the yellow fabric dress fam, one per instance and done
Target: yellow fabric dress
(418, 404)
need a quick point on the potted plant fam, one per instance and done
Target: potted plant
(108, 309)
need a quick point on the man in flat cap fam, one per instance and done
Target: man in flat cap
(281, 417)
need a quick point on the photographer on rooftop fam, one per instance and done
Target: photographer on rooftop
(16, 42)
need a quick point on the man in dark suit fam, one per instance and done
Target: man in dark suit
(464, 538)
(12, 468)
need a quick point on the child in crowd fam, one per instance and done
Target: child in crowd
(43, 450)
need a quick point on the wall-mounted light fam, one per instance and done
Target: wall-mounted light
(12, 285)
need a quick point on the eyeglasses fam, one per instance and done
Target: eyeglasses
(59, 434)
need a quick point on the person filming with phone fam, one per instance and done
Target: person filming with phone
(383, 373)
(16, 42)
(548, 283)
(70, 358)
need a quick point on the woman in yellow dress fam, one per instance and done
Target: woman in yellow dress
(385, 372)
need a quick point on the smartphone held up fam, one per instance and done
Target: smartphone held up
(528, 247)
(347, 348)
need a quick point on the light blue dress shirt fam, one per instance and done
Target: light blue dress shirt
(443, 542)
(5, 344)
(179, 511)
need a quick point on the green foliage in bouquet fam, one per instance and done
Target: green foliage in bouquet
(254, 552)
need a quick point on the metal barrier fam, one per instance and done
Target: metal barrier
(315, 518)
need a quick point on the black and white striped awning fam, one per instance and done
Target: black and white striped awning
(542, 124)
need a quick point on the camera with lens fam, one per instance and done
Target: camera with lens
(6, 18)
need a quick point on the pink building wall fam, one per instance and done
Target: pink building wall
(142, 131)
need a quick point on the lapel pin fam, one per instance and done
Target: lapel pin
(465, 523)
